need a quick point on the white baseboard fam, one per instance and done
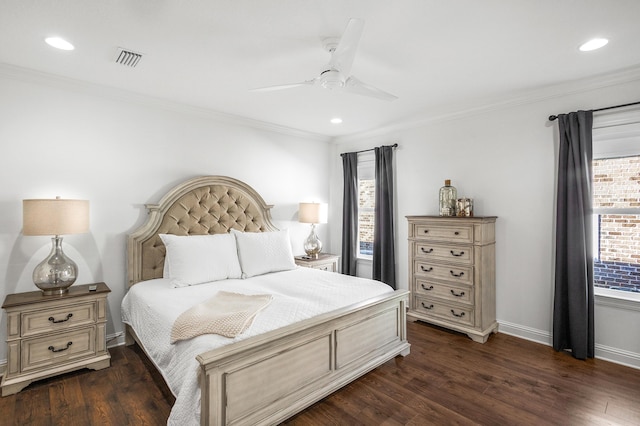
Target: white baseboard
(527, 333)
(115, 339)
(606, 353)
(619, 356)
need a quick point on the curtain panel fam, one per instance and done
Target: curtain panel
(573, 311)
(384, 257)
(349, 213)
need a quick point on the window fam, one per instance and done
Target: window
(617, 226)
(366, 204)
(616, 206)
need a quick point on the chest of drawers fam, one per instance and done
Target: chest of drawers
(50, 335)
(452, 273)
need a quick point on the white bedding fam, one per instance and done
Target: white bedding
(151, 307)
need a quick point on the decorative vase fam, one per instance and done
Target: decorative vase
(448, 197)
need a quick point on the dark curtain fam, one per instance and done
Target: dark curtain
(384, 257)
(573, 321)
(350, 213)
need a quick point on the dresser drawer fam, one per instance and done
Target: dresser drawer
(448, 253)
(435, 308)
(451, 273)
(446, 292)
(54, 349)
(454, 233)
(57, 319)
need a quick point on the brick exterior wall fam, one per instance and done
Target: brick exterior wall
(617, 185)
(366, 199)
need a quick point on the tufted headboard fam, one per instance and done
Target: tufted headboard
(199, 206)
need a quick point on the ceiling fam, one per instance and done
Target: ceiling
(433, 54)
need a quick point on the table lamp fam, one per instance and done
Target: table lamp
(312, 213)
(56, 273)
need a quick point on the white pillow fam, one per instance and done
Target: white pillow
(199, 259)
(264, 252)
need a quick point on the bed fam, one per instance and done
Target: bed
(293, 354)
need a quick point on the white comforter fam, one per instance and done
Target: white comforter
(151, 307)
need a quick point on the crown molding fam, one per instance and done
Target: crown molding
(423, 118)
(483, 106)
(28, 75)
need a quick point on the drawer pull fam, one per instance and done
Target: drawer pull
(460, 315)
(457, 275)
(426, 231)
(427, 288)
(426, 251)
(52, 349)
(457, 294)
(456, 233)
(55, 321)
(457, 255)
(427, 270)
(426, 307)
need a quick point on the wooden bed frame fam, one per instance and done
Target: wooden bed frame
(267, 378)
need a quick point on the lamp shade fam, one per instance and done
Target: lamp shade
(55, 217)
(312, 213)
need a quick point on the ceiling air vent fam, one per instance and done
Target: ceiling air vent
(128, 57)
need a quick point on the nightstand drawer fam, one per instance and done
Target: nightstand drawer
(324, 262)
(59, 319)
(54, 349)
(459, 254)
(326, 267)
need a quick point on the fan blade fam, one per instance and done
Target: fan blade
(353, 85)
(342, 57)
(283, 86)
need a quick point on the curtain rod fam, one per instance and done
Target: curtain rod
(553, 117)
(395, 145)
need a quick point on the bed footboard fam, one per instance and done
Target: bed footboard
(269, 378)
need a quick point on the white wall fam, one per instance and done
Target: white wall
(505, 159)
(120, 151)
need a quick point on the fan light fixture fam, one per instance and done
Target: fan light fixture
(593, 44)
(336, 76)
(59, 43)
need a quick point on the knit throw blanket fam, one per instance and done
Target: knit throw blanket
(226, 314)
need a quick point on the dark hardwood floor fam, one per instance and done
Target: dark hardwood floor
(447, 379)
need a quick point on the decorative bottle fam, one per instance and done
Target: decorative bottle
(448, 196)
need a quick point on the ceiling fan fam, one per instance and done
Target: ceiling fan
(336, 75)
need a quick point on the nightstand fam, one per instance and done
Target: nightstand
(50, 335)
(324, 262)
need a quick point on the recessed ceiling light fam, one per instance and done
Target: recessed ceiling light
(336, 120)
(593, 44)
(59, 43)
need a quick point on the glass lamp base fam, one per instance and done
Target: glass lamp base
(57, 272)
(313, 245)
